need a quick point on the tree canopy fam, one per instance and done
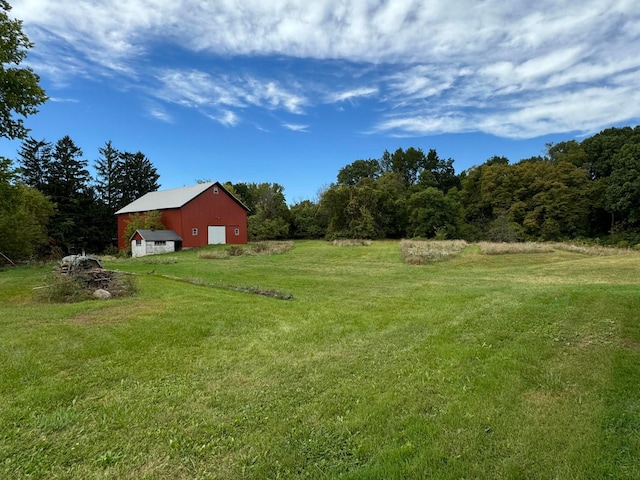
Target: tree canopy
(20, 91)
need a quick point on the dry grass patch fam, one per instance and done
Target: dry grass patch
(419, 252)
(594, 250)
(258, 248)
(495, 248)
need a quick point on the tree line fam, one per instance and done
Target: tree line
(586, 190)
(577, 190)
(50, 204)
(52, 189)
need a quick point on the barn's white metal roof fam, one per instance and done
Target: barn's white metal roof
(164, 199)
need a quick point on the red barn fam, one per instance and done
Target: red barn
(202, 214)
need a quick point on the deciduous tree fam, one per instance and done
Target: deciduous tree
(20, 91)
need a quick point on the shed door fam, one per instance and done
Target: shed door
(217, 235)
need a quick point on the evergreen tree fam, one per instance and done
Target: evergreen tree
(107, 181)
(35, 163)
(135, 176)
(68, 185)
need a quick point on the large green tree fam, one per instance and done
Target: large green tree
(20, 91)
(269, 216)
(107, 168)
(24, 213)
(69, 186)
(358, 170)
(623, 188)
(432, 213)
(134, 176)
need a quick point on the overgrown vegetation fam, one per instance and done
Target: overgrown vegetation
(481, 366)
(257, 248)
(419, 252)
(501, 248)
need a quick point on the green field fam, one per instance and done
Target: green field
(479, 366)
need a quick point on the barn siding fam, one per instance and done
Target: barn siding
(213, 209)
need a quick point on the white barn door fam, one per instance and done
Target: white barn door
(217, 235)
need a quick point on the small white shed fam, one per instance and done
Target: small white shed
(153, 242)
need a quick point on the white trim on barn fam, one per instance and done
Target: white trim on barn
(154, 242)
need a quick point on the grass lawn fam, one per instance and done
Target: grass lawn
(479, 366)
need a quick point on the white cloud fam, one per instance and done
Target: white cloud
(161, 114)
(63, 100)
(296, 127)
(196, 89)
(351, 94)
(225, 117)
(508, 68)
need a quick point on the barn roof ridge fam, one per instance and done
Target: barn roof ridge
(172, 198)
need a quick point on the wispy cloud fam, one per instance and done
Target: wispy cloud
(200, 90)
(225, 117)
(352, 94)
(161, 114)
(296, 127)
(513, 69)
(63, 100)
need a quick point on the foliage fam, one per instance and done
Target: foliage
(24, 213)
(623, 187)
(359, 170)
(430, 211)
(151, 220)
(268, 212)
(20, 92)
(307, 220)
(84, 216)
(134, 176)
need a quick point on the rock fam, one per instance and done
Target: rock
(101, 294)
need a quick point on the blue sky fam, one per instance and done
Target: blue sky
(290, 91)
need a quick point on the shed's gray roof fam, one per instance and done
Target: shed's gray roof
(158, 235)
(163, 199)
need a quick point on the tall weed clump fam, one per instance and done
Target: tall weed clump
(502, 248)
(258, 248)
(419, 252)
